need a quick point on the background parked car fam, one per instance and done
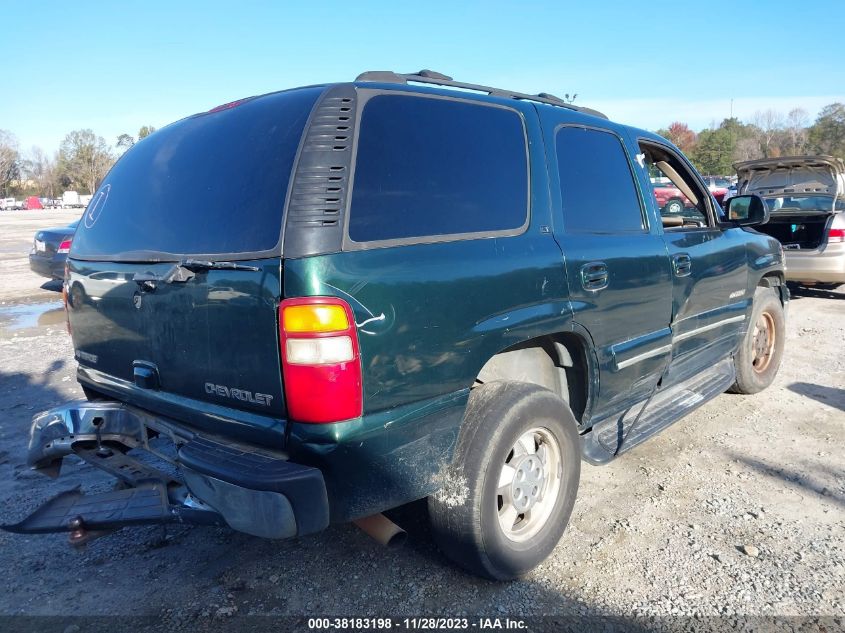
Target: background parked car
(718, 186)
(670, 199)
(49, 250)
(806, 199)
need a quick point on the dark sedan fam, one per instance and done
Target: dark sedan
(50, 249)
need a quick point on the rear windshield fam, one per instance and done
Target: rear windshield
(211, 184)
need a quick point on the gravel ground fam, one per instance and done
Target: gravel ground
(737, 510)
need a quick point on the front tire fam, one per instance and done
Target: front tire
(675, 206)
(761, 352)
(513, 482)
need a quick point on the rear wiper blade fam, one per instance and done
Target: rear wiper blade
(183, 272)
(199, 264)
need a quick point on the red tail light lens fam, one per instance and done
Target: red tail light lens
(836, 235)
(64, 247)
(321, 362)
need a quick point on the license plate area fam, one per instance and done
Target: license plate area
(40, 246)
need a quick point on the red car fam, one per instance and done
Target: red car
(718, 186)
(670, 199)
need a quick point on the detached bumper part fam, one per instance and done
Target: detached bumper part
(72, 511)
(213, 483)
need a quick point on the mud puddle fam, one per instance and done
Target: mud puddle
(21, 317)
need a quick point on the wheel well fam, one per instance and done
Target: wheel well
(771, 280)
(776, 281)
(557, 362)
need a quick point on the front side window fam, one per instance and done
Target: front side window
(437, 168)
(681, 200)
(597, 187)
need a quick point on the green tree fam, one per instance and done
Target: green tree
(124, 142)
(827, 134)
(714, 152)
(84, 159)
(145, 131)
(718, 148)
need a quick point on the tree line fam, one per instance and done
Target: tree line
(84, 158)
(768, 135)
(80, 164)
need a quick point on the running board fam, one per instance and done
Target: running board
(616, 435)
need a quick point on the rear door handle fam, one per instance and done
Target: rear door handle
(594, 276)
(682, 264)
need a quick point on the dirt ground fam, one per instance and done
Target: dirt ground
(737, 510)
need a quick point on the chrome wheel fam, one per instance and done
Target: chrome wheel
(529, 482)
(674, 207)
(763, 342)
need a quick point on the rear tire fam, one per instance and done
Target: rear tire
(761, 352)
(510, 492)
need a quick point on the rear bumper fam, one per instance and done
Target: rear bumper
(52, 267)
(821, 266)
(203, 480)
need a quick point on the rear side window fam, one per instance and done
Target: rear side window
(213, 183)
(597, 185)
(428, 168)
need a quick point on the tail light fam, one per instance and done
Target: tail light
(321, 362)
(836, 235)
(64, 247)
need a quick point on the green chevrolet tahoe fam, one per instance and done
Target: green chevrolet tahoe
(319, 304)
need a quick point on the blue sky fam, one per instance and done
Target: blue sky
(114, 66)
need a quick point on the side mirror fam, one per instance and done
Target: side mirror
(747, 210)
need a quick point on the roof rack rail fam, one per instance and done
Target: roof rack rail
(439, 79)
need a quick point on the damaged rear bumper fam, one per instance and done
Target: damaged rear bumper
(169, 474)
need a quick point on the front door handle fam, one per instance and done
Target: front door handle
(682, 265)
(594, 276)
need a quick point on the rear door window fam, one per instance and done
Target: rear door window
(211, 184)
(429, 169)
(597, 185)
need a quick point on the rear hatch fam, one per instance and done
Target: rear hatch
(802, 193)
(175, 269)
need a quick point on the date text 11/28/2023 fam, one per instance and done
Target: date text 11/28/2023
(415, 624)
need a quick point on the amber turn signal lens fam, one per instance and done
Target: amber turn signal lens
(314, 318)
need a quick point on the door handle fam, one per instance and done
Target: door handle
(682, 264)
(594, 276)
